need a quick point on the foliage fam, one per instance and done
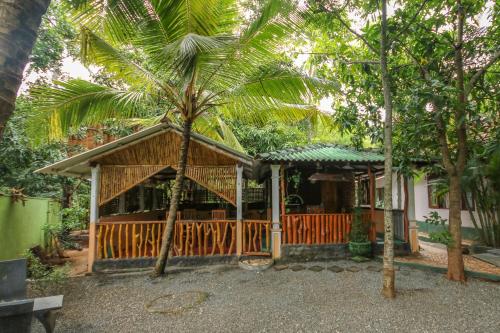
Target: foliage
(271, 136)
(359, 230)
(44, 276)
(19, 160)
(443, 236)
(53, 41)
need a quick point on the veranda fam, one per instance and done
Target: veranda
(231, 205)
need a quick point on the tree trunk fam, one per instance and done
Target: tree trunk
(174, 202)
(19, 23)
(455, 260)
(388, 272)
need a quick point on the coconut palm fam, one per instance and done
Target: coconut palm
(180, 57)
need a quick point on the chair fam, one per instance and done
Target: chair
(315, 209)
(189, 214)
(218, 214)
(16, 311)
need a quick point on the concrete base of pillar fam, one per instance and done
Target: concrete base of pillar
(276, 243)
(413, 233)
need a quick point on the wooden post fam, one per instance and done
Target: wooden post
(239, 210)
(275, 231)
(412, 228)
(94, 215)
(371, 176)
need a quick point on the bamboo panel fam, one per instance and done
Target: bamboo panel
(219, 179)
(315, 229)
(116, 180)
(256, 237)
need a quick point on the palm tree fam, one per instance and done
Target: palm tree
(187, 57)
(19, 23)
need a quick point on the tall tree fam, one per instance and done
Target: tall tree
(187, 57)
(19, 23)
(447, 52)
(388, 281)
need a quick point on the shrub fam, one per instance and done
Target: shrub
(359, 230)
(44, 276)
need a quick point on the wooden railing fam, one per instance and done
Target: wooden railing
(129, 239)
(316, 228)
(256, 237)
(204, 237)
(136, 239)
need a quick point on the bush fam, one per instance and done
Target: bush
(443, 236)
(44, 276)
(359, 230)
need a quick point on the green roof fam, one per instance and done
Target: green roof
(322, 153)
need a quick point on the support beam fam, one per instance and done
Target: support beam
(371, 177)
(276, 230)
(239, 210)
(412, 228)
(94, 214)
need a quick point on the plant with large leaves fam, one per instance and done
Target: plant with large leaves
(182, 57)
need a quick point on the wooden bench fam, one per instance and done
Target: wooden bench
(16, 312)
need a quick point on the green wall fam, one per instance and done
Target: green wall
(467, 232)
(21, 225)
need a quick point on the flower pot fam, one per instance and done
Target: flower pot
(363, 249)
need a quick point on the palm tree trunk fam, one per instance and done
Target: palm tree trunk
(388, 272)
(19, 23)
(174, 202)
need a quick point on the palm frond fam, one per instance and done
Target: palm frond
(77, 102)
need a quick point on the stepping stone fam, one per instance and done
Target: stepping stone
(297, 268)
(280, 267)
(316, 268)
(335, 269)
(405, 272)
(353, 269)
(374, 268)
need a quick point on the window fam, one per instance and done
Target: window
(438, 195)
(438, 198)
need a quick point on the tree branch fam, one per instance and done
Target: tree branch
(480, 72)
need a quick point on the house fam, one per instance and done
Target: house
(231, 205)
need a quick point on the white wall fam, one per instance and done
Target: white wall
(421, 200)
(422, 205)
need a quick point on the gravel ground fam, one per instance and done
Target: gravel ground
(279, 301)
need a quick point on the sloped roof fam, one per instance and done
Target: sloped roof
(79, 165)
(322, 153)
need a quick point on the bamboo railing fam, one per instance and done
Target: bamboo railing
(204, 237)
(139, 239)
(256, 237)
(316, 228)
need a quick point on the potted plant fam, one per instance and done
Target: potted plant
(359, 244)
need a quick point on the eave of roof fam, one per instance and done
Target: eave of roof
(79, 165)
(325, 153)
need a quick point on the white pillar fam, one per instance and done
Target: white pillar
(94, 215)
(412, 228)
(239, 209)
(276, 230)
